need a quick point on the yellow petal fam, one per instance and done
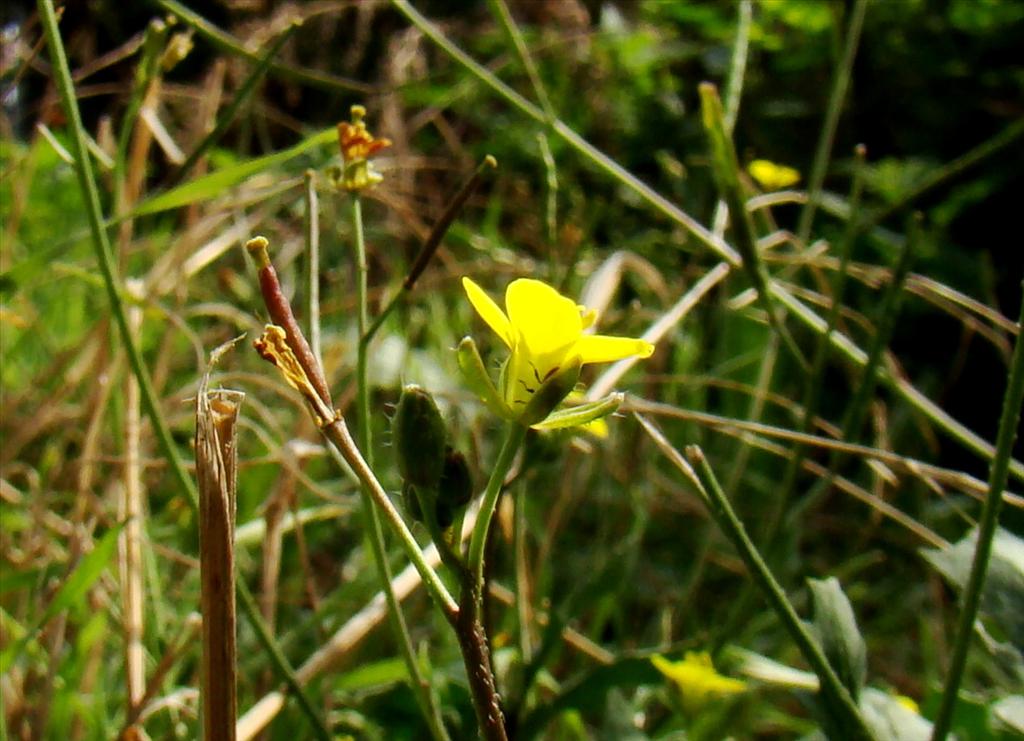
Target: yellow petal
(599, 348)
(587, 316)
(489, 311)
(543, 319)
(772, 176)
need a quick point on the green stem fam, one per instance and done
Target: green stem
(227, 43)
(812, 390)
(514, 437)
(243, 94)
(111, 280)
(432, 242)
(998, 475)
(271, 647)
(828, 130)
(375, 535)
(853, 417)
(725, 167)
(345, 451)
(833, 692)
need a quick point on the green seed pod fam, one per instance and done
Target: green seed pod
(418, 434)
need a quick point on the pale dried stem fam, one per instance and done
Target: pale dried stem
(130, 539)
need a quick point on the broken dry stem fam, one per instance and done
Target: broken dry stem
(216, 468)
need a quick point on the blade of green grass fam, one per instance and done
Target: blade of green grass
(227, 43)
(214, 184)
(71, 592)
(246, 89)
(1008, 423)
(823, 151)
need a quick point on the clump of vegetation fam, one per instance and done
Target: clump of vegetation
(734, 457)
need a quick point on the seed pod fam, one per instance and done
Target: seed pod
(418, 434)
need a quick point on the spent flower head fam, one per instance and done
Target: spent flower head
(357, 146)
(545, 334)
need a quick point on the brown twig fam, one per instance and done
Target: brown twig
(216, 467)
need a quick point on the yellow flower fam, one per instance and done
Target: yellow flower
(544, 331)
(772, 176)
(357, 146)
(697, 681)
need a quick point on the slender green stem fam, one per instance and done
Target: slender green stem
(431, 243)
(725, 167)
(227, 43)
(823, 151)
(856, 410)
(738, 65)
(834, 694)
(345, 450)
(111, 280)
(942, 175)
(288, 674)
(241, 97)
(147, 68)
(515, 36)
(812, 390)
(998, 474)
(514, 437)
(375, 535)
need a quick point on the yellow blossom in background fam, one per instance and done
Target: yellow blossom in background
(357, 146)
(544, 331)
(696, 680)
(772, 176)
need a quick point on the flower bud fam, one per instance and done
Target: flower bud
(418, 434)
(455, 489)
(412, 502)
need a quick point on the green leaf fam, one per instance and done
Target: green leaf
(891, 719)
(214, 184)
(376, 674)
(1002, 598)
(590, 691)
(71, 592)
(836, 628)
(582, 414)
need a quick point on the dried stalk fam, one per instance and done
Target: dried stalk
(130, 540)
(216, 470)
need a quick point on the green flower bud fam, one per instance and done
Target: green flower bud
(418, 434)
(411, 502)
(455, 489)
